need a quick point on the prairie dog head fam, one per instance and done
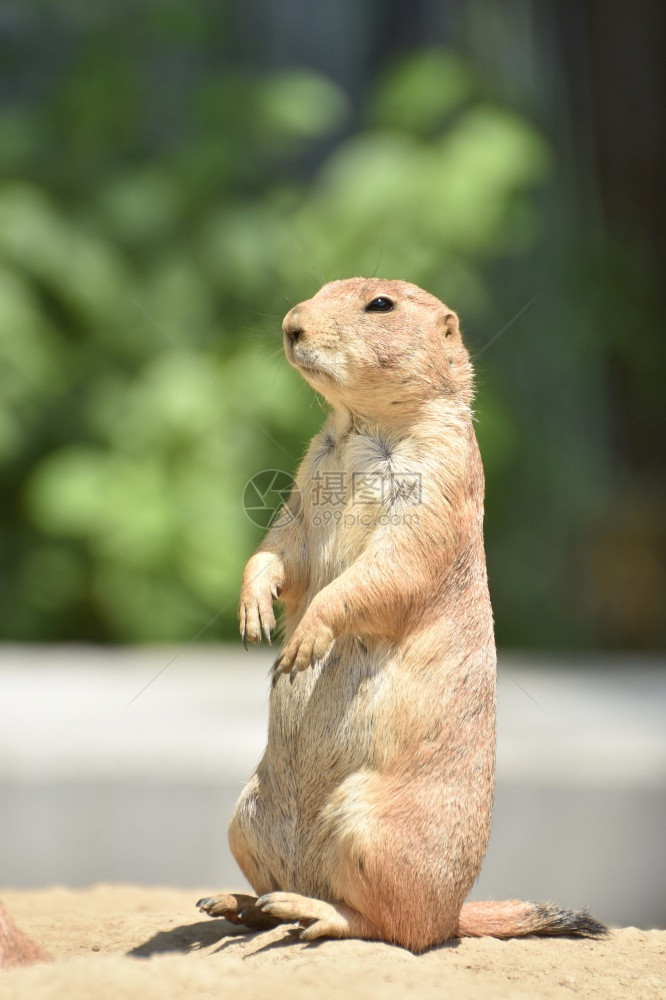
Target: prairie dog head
(378, 347)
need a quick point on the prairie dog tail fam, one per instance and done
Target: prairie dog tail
(15, 947)
(514, 918)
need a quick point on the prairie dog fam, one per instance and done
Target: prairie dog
(369, 813)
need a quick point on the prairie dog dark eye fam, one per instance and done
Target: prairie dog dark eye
(380, 305)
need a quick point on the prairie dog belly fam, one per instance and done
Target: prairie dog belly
(323, 723)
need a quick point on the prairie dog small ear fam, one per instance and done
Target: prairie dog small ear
(449, 323)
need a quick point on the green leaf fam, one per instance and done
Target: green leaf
(418, 93)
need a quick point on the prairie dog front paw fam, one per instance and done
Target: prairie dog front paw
(262, 584)
(311, 643)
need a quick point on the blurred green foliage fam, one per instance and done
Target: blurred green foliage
(148, 249)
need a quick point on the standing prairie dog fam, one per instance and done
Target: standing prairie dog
(369, 813)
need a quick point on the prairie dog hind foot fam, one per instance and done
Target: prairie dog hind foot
(317, 918)
(238, 908)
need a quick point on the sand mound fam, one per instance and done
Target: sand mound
(128, 941)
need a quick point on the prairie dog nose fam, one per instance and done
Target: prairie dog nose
(292, 326)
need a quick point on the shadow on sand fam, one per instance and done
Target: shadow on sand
(206, 933)
(187, 937)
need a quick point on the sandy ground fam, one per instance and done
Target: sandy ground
(115, 941)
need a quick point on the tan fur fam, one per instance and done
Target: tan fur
(369, 813)
(15, 947)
